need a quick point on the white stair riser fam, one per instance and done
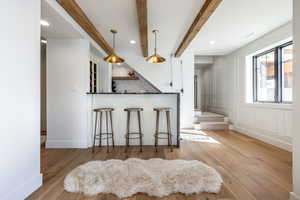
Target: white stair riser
(209, 119)
(211, 126)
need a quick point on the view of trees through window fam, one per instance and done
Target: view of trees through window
(287, 71)
(273, 75)
(265, 71)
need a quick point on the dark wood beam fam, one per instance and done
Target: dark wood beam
(141, 6)
(80, 17)
(205, 12)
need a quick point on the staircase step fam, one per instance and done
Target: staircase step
(211, 126)
(208, 117)
(207, 114)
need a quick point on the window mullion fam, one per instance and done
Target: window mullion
(254, 79)
(279, 66)
(277, 76)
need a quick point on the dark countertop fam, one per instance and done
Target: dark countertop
(132, 93)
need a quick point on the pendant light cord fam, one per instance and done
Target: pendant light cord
(171, 70)
(155, 43)
(113, 41)
(181, 69)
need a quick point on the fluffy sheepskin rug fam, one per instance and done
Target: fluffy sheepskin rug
(155, 177)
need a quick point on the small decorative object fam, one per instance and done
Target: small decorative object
(114, 58)
(131, 74)
(155, 58)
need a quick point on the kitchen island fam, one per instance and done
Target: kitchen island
(147, 101)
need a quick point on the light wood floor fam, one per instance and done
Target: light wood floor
(250, 169)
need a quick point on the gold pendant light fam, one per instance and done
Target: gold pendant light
(114, 58)
(155, 58)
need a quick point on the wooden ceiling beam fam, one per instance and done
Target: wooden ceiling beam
(205, 12)
(80, 17)
(141, 6)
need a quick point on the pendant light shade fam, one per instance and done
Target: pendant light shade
(114, 58)
(155, 58)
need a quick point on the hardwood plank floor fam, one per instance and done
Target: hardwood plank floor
(251, 169)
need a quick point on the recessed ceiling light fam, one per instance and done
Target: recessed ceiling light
(132, 41)
(44, 41)
(212, 42)
(45, 23)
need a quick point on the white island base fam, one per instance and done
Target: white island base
(147, 101)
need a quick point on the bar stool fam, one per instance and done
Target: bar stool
(129, 133)
(160, 135)
(107, 135)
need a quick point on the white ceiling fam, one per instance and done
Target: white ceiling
(171, 17)
(59, 27)
(229, 26)
(238, 22)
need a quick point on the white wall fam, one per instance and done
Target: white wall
(67, 82)
(271, 123)
(204, 60)
(221, 86)
(296, 106)
(20, 99)
(160, 76)
(204, 74)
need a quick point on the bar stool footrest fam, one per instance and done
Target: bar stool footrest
(164, 133)
(162, 138)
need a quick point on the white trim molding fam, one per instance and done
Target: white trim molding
(23, 190)
(263, 137)
(294, 196)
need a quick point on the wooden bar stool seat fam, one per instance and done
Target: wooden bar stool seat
(133, 109)
(99, 135)
(103, 109)
(163, 135)
(162, 109)
(134, 135)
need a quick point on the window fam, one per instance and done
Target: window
(273, 75)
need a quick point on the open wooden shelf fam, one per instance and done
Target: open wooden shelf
(120, 78)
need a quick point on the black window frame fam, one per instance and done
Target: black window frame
(278, 74)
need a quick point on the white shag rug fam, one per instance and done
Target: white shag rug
(155, 177)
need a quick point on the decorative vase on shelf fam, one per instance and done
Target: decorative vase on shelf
(131, 74)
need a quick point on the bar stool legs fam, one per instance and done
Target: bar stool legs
(169, 130)
(95, 132)
(156, 130)
(112, 129)
(140, 131)
(129, 133)
(158, 133)
(100, 128)
(108, 135)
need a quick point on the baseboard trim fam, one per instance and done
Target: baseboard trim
(58, 144)
(264, 138)
(25, 189)
(293, 196)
